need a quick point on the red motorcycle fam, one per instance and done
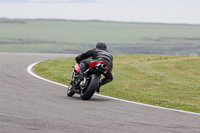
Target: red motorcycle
(90, 83)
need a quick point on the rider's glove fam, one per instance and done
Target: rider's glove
(78, 58)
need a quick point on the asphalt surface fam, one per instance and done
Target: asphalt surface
(30, 105)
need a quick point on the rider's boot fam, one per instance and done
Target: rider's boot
(80, 76)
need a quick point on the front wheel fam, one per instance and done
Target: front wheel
(88, 92)
(70, 92)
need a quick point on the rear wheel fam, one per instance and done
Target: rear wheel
(89, 91)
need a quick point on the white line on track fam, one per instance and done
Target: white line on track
(29, 70)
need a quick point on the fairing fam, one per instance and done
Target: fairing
(77, 68)
(94, 63)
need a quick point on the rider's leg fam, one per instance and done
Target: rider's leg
(84, 65)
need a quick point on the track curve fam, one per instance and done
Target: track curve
(28, 105)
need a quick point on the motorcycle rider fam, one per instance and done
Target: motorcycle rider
(99, 53)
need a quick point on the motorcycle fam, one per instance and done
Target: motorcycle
(91, 81)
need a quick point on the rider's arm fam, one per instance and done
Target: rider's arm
(85, 55)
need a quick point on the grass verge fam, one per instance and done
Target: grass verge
(167, 81)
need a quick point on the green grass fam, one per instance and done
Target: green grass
(167, 81)
(122, 38)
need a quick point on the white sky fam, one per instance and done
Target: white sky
(162, 11)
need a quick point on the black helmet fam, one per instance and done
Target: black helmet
(101, 45)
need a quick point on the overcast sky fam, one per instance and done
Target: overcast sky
(162, 11)
(48, 1)
(102, 1)
(99, 1)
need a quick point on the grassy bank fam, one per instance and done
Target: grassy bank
(167, 81)
(62, 36)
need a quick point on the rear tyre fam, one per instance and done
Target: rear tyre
(88, 92)
(70, 92)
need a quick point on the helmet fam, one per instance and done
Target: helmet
(101, 45)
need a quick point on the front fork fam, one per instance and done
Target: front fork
(73, 83)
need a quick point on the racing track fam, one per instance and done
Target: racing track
(31, 105)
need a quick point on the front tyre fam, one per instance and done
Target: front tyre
(70, 92)
(90, 90)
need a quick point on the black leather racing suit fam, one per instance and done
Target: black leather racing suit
(97, 54)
